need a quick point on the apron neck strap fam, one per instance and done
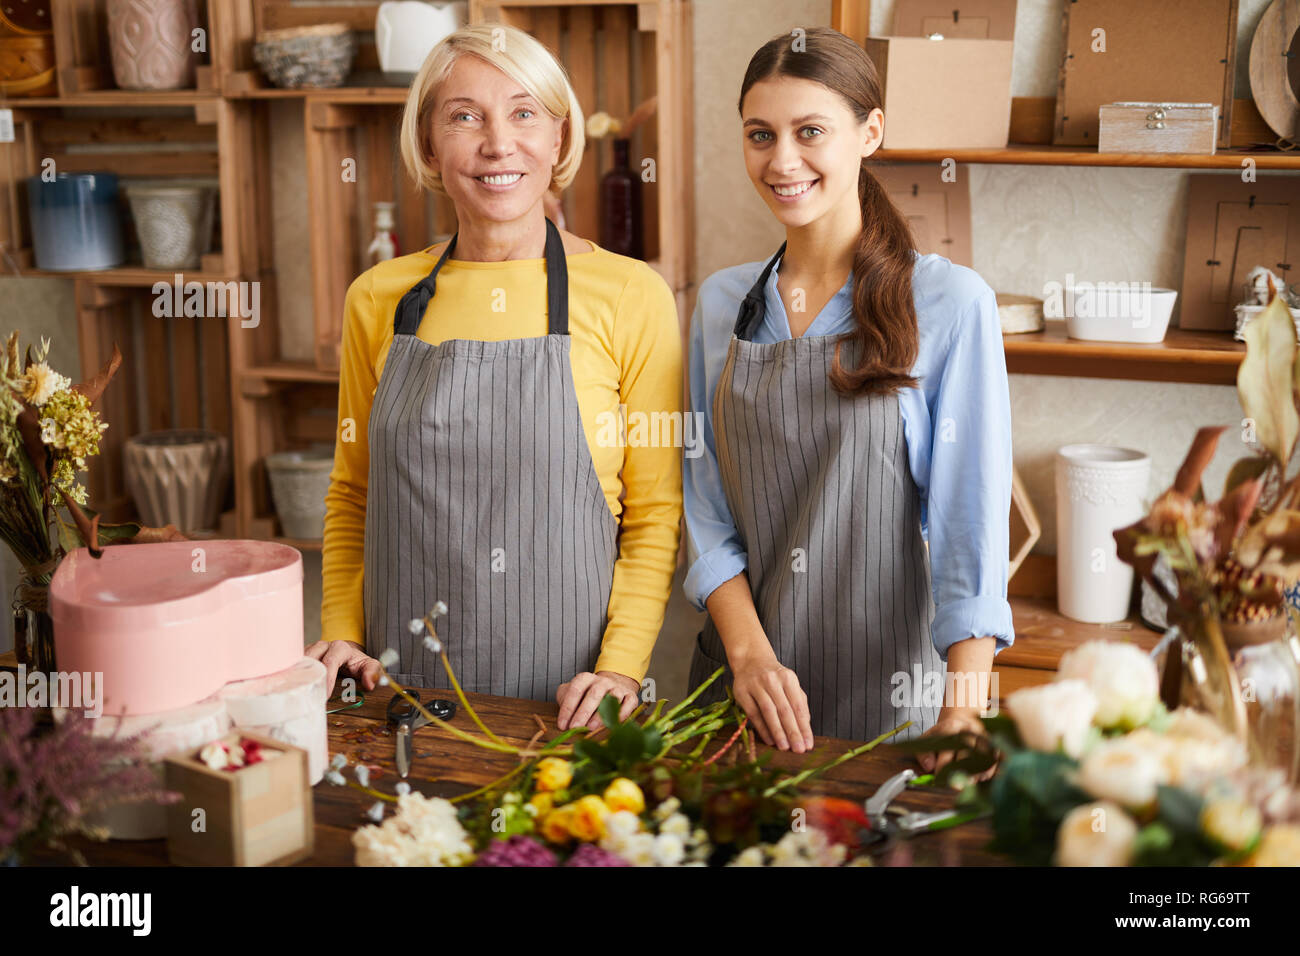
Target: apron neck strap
(412, 306)
(753, 307)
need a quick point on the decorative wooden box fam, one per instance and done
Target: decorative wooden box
(1158, 128)
(256, 815)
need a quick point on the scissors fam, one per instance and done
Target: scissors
(408, 720)
(907, 823)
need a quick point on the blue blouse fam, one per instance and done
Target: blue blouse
(957, 425)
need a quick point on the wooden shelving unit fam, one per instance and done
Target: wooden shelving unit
(214, 373)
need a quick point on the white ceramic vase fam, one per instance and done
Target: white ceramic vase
(1099, 488)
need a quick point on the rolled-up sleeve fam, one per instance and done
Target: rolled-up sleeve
(969, 494)
(714, 551)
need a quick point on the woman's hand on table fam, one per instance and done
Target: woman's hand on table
(348, 657)
(769, 693)
(952, 720)
(579, 698)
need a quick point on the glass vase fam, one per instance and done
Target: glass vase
(34, 627)
(1259, 698)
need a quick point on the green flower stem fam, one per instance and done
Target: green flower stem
(486, 788)
(694, 694)
(821, 768)
(654, 714)
(696, 753)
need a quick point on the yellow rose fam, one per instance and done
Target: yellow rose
(624, 794)
(588, 820)
(556, 824)
(552, 773)
(544, 803)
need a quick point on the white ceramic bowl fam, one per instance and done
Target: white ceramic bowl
(1100, 314)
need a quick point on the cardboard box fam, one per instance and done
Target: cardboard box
(1158, 128)
(969, 19)
(944, 94)
(257, 815)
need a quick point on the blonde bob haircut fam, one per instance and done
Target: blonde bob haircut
(518, 56)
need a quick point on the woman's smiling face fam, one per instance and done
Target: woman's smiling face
(494, 144)
(804, 147)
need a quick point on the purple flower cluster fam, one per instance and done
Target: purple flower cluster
(518, 850)
(50, 778)
(591, 855)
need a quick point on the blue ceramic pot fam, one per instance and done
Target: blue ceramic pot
(76, 224)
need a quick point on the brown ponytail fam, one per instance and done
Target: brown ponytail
(885, 337)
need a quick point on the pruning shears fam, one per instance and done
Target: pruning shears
(908, 822)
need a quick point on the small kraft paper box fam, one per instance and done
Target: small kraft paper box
(947, 93)
(256, 815)
(1158, 128)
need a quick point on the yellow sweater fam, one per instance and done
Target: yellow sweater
(626, 348)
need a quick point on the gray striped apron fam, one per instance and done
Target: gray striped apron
(483, 494)
(823, 498)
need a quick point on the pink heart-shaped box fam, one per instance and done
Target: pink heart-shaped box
(168, 624)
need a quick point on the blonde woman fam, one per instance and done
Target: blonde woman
(478, 475)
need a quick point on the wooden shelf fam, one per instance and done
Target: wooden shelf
(387, 95)
(1041, 155)
(115, 98)
(1207, 358)
(291, 372)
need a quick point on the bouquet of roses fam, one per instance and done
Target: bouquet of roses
(1095, 771)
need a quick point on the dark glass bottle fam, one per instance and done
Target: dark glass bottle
(620, 207)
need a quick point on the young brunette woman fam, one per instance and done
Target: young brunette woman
(477, 375)
(854, 397)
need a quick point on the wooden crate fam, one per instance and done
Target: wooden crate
(174, 374)
(183, 141)
(618, 55)
(259, 815)
(241, 21)
(81, 47)
(353, 162)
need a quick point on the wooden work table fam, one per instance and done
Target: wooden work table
(446, 766)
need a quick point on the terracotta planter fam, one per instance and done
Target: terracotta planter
(178, 477)
(150, 43)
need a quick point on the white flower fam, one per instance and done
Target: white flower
(1096, 834)
(668, 850)
(432, 644)
(335, 778)
(1193, 725)
(1195, 764)
(214, 755)
(1122, 677)
(402, 788)
(678, 825)
(1052, 715)
(1123, 770)
(639, 849)
(750, 856)
(622, 823)
(439, 610)
(425, 831)
(415, 626)
(339, 762)
(41, 382)
(1231, 822)
(667, 808)
(383, 680)
(363, 775)
(376, 811)
(389, 658)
